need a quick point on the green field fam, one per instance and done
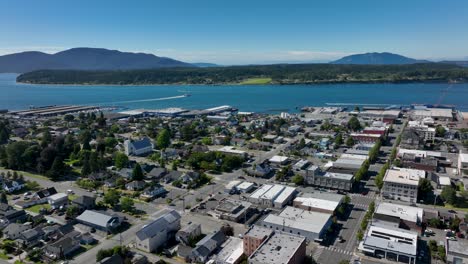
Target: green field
(256, 81)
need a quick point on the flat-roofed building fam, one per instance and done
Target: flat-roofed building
(301, 164)
(442, 114)
(349, 162)
(402, 184)
(407, 217)
(280, 160)
(456, 251)
(331, 180)
(309, 224)
(254, 237)
(463, 164)
(245, 187)
(390, 243)
(317, 204)
(232, 210)
(365, 138)
(280, 248)
(273, 195)
(232, 251)
(230, 150)
(375, 130)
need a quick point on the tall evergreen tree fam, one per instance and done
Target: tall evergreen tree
(137, 173)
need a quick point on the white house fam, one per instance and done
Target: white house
(138, 147)
(159, 231)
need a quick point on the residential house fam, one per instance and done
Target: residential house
(84, 202)
(153, 192)
(138, 147)
(30, 237)
(13, 216)
(62, 248)
(13, 185)
(135, 185)
(57, 200)
(189, 233)
(172, 176)
(156, 173)
(260, 170)
(205, 247)
(158, 232)
(14, 230)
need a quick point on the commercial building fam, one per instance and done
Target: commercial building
(331, 180)
(390, 243)
(428, 133)
(279, 160)
(309, 224)
(349, 162)
(442, 114)
(375, 130)
(463, 164)
(254, 237)
(456, 251)
(276, 196)
(155, 234)
(99, 220)
(280, 248)
(232, 251)
(318, 204)
(406, 217)
(365, 137)
(402, 184)
(230, 150)
(301, 164)
(232, 210)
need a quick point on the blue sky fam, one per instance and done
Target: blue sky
(239, 32)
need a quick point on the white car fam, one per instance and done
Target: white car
(451, 238)
(70, 191)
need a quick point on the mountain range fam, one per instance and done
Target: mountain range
(376, 58)
(84, 59)
(104, 59)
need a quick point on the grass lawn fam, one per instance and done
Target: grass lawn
(3, 255)
(36, 208)
(72, 197)
(256, 81)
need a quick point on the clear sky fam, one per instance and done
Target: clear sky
(239, 31)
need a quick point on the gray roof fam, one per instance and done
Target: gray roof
(217, 237)
(167, 217)
(143, 143)
(458, 247)
(95, 218)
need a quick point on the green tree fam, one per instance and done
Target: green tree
(298, 180)
(440, 131)
(338, 140)
(46, 138)
(72, 211)
(121, 160)
(354, 124)
(449, 195)
(127, 204)
(350, 142)
(425, 189)
(85, 169)
(164, 139)
(137, 173)
(57, 170)
(94, 162)
(111, 197)
(380, 176)
(3, 198)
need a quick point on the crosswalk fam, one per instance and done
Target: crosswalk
(341, 251)
(318, 252)
(360, 206)
(370, 195)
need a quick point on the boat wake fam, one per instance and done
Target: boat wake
(149, 100)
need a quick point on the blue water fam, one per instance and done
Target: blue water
(256, 98)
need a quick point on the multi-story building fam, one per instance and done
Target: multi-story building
(331, 180)
(273, 195)
(402, 184)
(456, 251)
(390, 243)
(280, 248)
(155, 234)
(309, 224)
(463, 164)
(406, 217)
(254, 238)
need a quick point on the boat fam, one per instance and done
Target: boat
(187, 95)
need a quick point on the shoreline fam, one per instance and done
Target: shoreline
(239, 84)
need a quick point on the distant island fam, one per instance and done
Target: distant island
(377, 58)
(256, 74)
(84, 59)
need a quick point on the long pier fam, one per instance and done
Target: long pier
(55, 110)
